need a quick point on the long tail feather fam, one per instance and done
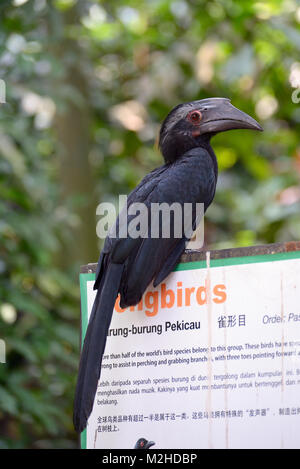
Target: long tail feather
(94, 345)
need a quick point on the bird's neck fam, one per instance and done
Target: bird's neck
(204, 142)
(173, 147)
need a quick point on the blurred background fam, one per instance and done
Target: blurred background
(87, 84)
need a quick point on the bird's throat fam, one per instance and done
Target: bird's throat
(205, 143)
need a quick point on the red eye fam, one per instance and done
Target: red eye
(195, 117)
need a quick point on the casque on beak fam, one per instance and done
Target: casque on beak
(227, 117)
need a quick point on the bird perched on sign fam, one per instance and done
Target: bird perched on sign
(127, 265)
(142, 443)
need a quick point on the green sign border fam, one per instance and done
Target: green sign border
(86, 277)
(83, 279)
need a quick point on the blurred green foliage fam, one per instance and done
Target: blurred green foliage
(123, 65)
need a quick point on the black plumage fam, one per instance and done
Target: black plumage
(128, 265)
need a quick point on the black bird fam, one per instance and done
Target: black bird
(128, 265)
(142, 443)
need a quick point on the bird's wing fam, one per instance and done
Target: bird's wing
(122, 247)
(192, 180)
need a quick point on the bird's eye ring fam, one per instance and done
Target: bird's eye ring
(194, 117)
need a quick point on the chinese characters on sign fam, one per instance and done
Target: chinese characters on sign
(210, 358)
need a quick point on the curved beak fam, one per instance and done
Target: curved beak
(227, 117)
(149, 444)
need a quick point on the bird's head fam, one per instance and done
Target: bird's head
(142, 443)
(190, 124)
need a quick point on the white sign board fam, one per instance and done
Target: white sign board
(208, 359)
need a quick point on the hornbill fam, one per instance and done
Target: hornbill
(142, 443)
(127, 265)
